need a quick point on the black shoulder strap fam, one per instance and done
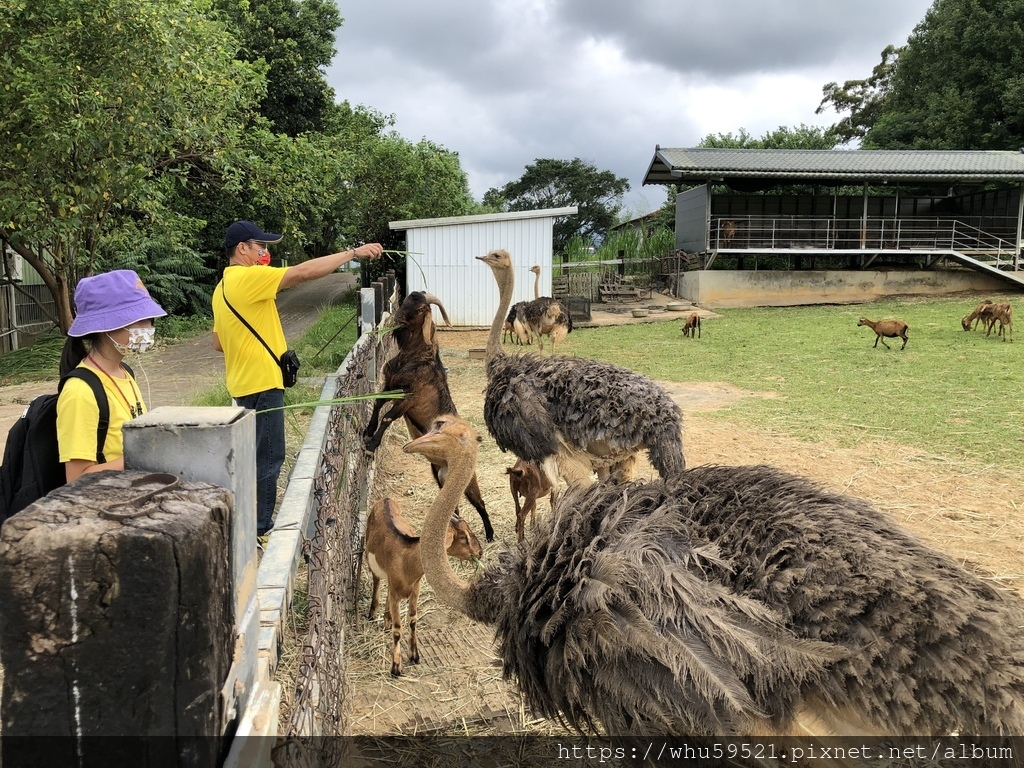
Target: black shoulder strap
(96, 385)
(246, 324)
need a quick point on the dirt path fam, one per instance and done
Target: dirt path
(970, 511)
(173, 374)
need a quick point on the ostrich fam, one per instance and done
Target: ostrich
(572, 415)
(544, 316)
(733, 601)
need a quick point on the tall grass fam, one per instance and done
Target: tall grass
(952, 393)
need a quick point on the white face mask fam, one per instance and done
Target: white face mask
(139, 340)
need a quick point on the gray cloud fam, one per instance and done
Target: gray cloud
(504, 83)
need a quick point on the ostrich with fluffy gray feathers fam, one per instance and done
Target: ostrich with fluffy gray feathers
(544, 316)
(572, 415)
(734, 601)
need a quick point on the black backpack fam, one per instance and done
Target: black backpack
(32, 467)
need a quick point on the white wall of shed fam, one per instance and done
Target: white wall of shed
(443, 262)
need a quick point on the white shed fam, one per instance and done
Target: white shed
(443, 252)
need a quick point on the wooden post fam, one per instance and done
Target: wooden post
(115, 621)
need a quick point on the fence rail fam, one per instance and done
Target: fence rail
(319, 524)
(759, 233)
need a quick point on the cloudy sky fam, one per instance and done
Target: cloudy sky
(504, 82)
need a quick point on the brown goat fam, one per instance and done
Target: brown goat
(417, 371)
(527, 481)
(1003, 314)
(691, 327)
(980, 312)
(393, 552)
(890, 329)
(728, 231)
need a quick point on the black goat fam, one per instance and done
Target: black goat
(417, 371)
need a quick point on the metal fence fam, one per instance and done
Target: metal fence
(340, 489)
(757, 233)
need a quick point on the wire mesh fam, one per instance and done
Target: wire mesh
(340, 491)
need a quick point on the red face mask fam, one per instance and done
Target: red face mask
(264, 260)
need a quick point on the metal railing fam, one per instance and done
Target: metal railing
(773, 233)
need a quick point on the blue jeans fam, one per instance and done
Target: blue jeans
(269, 452)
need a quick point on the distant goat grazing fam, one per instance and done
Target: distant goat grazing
(393, 552)
(980, 313)
(890, 329)
(417, 371)
(527, 481)
(691, 327)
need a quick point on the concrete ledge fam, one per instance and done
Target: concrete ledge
(722, 288)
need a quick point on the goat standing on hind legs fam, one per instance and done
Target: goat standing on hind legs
(417, 371)
(888, 328)
(393, 552)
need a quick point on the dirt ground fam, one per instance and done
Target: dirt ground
(971, 511)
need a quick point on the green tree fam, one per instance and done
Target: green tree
(296, 40)
(861, 99)
(388, 178)
(783, 137)
(562, 183)
(106, 108)
(958, 83)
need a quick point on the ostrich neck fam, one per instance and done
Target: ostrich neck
(536, 285)
(506, 285)
(448, 587)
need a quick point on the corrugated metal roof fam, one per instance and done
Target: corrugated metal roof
(699, 165)
(483, 218)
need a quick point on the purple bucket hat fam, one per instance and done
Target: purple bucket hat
(110, 301)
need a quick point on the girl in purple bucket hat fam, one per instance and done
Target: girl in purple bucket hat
(114, 318)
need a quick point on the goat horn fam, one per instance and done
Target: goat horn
(432, 299)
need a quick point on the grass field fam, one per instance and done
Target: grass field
(953, 393)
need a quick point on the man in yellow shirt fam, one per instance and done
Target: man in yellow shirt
(254, 377)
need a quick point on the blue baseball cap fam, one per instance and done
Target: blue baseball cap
(241, 231)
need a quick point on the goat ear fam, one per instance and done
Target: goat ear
(428, 328)
(449, 536)
(516, 472)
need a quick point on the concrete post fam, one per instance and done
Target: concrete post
(213, 445)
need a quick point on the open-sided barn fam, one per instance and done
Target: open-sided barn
(854, 224)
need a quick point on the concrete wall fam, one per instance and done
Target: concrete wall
(781, 288)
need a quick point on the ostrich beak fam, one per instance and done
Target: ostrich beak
(426, 440)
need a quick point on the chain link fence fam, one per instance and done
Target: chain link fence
(332, 552)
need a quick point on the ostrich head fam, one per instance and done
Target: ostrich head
(448, 437)
(535, 269)
(501, 265)
(453, 441)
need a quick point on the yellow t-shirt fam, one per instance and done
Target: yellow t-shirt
(252, 291)
(78, 416)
